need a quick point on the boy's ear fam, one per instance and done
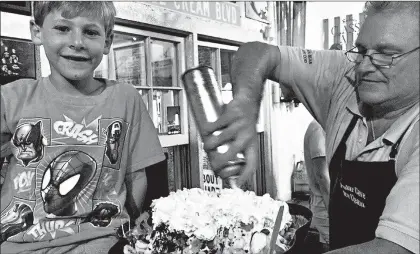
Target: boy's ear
(108, 43)
(35, 33)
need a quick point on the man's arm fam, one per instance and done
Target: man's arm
(136, 192)
(376, 246)
(322, 178)
(312, 81)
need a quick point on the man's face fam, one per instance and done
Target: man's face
(74, 47)
(397, 86)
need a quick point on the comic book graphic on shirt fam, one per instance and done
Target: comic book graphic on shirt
(29, 141)
(63, 179)
(112, 132)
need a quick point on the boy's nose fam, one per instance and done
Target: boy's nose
(77, 41)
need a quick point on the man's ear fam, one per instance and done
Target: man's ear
(35, 33)
(108, 43)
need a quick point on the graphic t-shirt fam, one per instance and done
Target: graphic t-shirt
(65, 181)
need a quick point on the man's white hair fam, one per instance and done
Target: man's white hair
(372, 7)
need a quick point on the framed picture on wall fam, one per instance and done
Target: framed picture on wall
(18, 59)
(257, 10)
(19, 7)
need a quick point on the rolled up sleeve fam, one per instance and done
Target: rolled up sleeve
(313, 75)
(399, 222)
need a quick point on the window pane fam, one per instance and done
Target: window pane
(226, 59)
(129, 59)
(166, 111)
(207, 56)
(163, 56)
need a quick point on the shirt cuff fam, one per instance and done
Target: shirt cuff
(145, 163)
(389, 233)
(317, 155)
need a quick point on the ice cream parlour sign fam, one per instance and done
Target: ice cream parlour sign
(225, 12)
(211, 182)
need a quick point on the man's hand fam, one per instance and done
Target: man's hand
(239, 130)
(253, 64)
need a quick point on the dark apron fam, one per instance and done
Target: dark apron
(358, 194)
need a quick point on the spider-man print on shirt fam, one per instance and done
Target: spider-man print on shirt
(63, 181)
(60, 177)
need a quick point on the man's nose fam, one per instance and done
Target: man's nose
(366, 65)
(77, 40)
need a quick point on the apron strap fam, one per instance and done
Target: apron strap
(349, 129)
(339, 156)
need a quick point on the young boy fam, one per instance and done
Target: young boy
(79, 144)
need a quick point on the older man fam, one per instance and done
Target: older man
(367, 101)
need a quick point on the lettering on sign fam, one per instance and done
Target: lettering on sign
(350, 26)
(211, 182)
(347, 32)
(220, 11)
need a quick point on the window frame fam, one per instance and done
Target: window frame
(165, 139)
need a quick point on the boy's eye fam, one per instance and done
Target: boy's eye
(62, 28)
(92, 32)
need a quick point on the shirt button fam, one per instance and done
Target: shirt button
(360, 140)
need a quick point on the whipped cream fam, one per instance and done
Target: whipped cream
(202, 213)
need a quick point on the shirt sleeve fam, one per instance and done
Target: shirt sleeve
(399, 222)
(144, 144)
(5, 134)
(317, 143)
(313, 76)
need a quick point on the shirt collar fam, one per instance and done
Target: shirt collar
(353, 105)
(398, 128)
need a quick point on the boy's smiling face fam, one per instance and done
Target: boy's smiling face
(74, 47)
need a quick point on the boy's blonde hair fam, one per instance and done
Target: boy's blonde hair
(71, 9)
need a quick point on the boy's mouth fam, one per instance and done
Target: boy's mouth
(77, 58)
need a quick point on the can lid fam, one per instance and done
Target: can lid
(198, 68)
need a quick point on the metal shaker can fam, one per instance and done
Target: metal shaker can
(205, 99)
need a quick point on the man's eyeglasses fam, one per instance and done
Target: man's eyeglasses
(377, 59)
